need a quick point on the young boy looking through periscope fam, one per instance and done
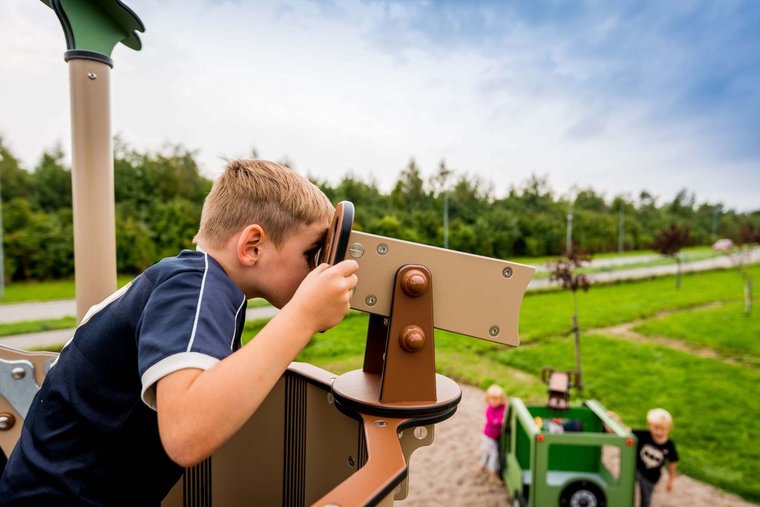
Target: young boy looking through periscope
(155, 378)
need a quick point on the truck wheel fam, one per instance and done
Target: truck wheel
(582, 494)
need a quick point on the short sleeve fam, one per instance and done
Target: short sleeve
(188, 322)
(673, 455)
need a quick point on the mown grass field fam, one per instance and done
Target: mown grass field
(724, 328)
(714, 402)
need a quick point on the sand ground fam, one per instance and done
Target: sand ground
(446, 473)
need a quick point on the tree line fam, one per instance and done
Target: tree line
(159, 195)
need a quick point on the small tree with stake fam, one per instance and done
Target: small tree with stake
(740, 253)
(669, 243)
(563, 270)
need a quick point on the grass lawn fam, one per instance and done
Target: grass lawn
(550, 313)
(725, 329)
(36, 326)
(717, 415)
(713, 402)
(47, 291)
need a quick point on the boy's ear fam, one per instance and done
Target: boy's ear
(249, 244)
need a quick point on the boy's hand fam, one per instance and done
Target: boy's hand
(323, 298)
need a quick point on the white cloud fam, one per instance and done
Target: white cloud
(323, 91)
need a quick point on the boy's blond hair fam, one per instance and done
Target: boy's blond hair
(496, 391)
(259, 192)
(660, 415)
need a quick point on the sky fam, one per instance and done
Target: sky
(619, 96)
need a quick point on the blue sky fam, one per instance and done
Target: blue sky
(616, 96)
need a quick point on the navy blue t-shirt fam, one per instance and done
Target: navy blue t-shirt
(651, 456)
(91, 434)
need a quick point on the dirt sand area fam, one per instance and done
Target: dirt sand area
(447, 473)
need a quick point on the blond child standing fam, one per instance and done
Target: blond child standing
(496, 404)
(653, 449)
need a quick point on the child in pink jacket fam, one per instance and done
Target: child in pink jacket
(496, 404)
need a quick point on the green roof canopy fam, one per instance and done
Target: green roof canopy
(97, 25)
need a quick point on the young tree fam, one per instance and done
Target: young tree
(669, 243)
(740, 252)
(564, 271)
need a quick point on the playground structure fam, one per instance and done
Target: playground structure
(554, 453)
(322, 439)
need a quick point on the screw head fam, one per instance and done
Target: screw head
(371, 300)
(92, 75)
(382, 249)
(507, 272)
(381, 424)
(18, 373)
(356, 250)
(494, 331)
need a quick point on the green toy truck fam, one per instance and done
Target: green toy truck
(554, 456)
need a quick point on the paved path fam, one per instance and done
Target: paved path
(58, 309)
(15, 312)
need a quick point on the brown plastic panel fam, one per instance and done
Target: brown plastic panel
(409, 373)
(471, 295)
(294, 449)
(359, 392)
(383, 471)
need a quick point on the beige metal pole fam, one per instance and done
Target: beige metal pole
(92, 183)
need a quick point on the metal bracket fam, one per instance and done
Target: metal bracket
(17, 384)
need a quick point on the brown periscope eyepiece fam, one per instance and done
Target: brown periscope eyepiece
(336, 240)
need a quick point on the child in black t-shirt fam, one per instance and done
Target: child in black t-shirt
(653, 449)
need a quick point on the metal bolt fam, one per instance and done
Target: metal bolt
(412, 338)
(382, 249)
(92, 75)
(330, 399)
(371, 300)
(420, 432)
(381, 424)
(400, 435)
(494, 331)
(507, 272)
(356, 250)
(6, 421)
(18, 373)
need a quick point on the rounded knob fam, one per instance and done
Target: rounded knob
(414, 283)
(412, 338)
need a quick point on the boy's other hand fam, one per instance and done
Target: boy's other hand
(324, 296)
